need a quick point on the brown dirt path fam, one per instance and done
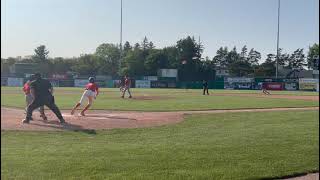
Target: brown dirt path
(312, 176)
(102, 119)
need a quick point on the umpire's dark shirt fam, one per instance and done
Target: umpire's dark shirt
(205, 84)
(41, 88)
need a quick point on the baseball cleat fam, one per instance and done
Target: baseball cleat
(25, 121)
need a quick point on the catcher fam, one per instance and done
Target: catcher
(29, 97)
(91, 92)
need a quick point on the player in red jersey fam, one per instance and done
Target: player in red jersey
(91, 92)
(127, 84)
(264, 89)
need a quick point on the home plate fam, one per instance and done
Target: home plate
(66, 115)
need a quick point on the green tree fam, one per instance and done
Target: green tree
(87, 64)
(172, 55)
(133, 64)
(108, 58)
(126, 48)
(297, 60)
(189, 52)
(156, 60)
(41, 54)
(221, 57)
(243, 54)
(254, 57)
(312, 54)
(267, 68)
(151, 45)
(145, 44)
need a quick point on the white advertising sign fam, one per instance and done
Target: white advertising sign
(15, 81)
(308, 80)
(168, 73)
(150, 78)
(143, 84)
(239, 80)
(80, 82)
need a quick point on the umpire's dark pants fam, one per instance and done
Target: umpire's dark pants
(205, 90)
(41, 101)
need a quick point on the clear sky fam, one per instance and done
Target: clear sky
(72, 27)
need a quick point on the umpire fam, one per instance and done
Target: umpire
(205, 87)
(41, 89)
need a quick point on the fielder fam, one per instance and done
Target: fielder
(264, 89)
(29, 98)
(126, 87)
(90, 93)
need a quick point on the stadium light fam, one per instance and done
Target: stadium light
(120, 40)
(278, 40)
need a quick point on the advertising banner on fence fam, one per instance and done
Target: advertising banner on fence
(4, 81)
(143, 84)
(239, 80)
(54, 83)
(15, 81)
(291, 86)
(150, 78)
(80, 82)
(308, 84)
(58, 76)
(159, 84)
(238, 83)
(274, 86)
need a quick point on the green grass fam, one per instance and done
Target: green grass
(215, 146)
(167, 99)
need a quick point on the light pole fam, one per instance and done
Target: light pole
(277, 59)
(120, 41)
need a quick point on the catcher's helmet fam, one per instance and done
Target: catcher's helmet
(91, 79)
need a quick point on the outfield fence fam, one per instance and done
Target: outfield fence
(305, 84)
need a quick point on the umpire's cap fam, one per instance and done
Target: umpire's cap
(37, 76)
(91, 79)
(32, 77)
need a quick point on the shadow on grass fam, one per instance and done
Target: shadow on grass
(294, 175)
(66, 126)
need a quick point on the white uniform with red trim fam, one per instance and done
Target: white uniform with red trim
(92, 90)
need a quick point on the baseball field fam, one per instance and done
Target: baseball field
(163, 134)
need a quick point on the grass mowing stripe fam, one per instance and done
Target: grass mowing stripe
(166, 101)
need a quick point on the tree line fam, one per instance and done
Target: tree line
(144, 59)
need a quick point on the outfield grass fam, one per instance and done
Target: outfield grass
(215, 146)
(165, 100)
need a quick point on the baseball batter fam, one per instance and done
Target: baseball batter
(90, 93)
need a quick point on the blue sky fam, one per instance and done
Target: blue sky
(72, 27)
